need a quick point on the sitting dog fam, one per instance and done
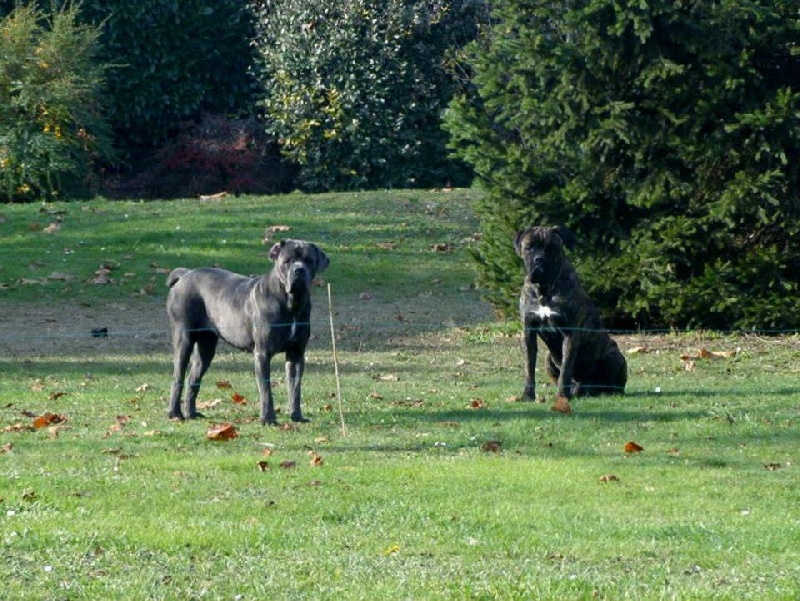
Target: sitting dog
(264, 315)
(582, 358)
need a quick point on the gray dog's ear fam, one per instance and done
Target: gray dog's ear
(275, 251)
(322, 260)
(569, 239)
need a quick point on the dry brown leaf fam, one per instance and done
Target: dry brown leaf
(635, 350)
(238, 399)
(263, 466)
(47, 418)
(386, 245)
(773, 467)
(287, 464)
(316, 460)
(52, 228)
(226, 431)
(56, 395)
(7, 447)
(224, 385)
(209, 404)
(561, 406)
(476, 404)
(491, 446)
(609, 478)
(632, 447)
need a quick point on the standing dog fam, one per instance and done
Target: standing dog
(582, 358)
(264, 315)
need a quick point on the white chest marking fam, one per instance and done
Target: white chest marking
(545, 312)
(293, 330)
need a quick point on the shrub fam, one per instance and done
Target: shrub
(52, 128)
(173, 61)
(218, 154)
(666, 134)
(354, 89)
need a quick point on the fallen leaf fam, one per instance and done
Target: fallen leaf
(56, 395)
(635, 350)
(316, 460)
(47, 419)
(7, 447)
(144, 387)
(209, 404)
(208, 197)
(773, 467)
(477, 404)
(224, 385)
(609, 478)
(238, 399)
(491, 446)
(632, 447)
(224, 431)
(561, 406)
(327, 407)
(52, 228)
(674, 452)
(386, 245)
(322, 440)
(287, 464)
(263, 466)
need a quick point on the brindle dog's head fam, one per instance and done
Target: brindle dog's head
(542, 250)
(297, 262)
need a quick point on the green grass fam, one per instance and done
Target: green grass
(411, 504)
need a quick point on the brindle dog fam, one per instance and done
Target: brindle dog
(582, 357)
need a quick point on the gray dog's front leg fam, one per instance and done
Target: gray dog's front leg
(529, 354)
(262, 361)
(294, 375)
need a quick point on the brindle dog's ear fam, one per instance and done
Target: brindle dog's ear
(275, 251)
(567, 237)
(518, 241)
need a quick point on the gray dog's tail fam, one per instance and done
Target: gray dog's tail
(175, 275)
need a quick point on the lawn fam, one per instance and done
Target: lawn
(443, 486)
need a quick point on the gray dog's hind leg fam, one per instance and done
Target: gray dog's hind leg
(204, 351)
(295, 366)
(182, 347)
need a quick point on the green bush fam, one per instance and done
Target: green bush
(354, 89)
(665, 134)
(173, 62)
(52, 128)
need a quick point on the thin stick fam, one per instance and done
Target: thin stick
(336, 363)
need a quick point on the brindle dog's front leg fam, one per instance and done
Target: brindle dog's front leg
(568, 348)
(529, 348)
(262, 363)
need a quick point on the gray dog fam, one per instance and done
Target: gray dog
(265, 315)
(582, 358)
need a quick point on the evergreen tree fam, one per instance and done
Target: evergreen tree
(665, 133)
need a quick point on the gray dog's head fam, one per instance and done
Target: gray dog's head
(297, 262)
(542, 250)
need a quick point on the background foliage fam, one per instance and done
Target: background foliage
(173, 61)
(52, 124)
(354, 89)
(664, 133)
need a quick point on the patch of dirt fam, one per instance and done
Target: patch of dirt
(127, 326)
